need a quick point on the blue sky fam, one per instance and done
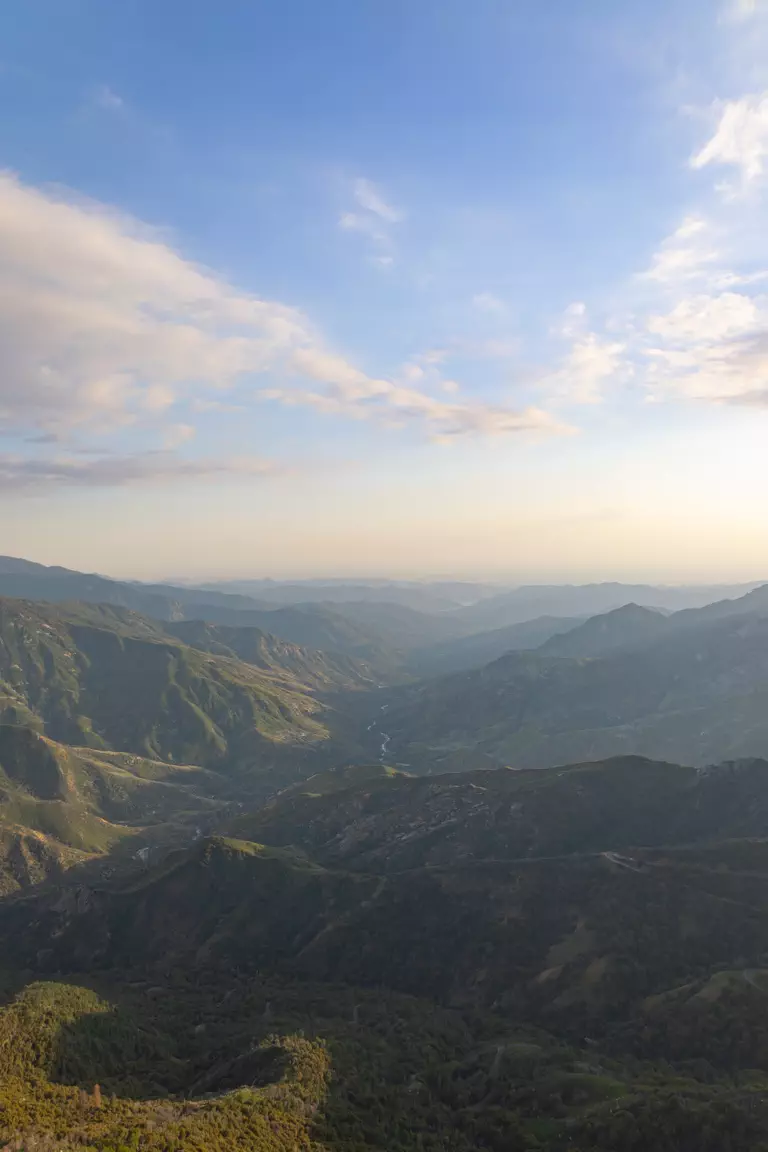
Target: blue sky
(407, 288)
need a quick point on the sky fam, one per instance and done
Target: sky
(367, 287)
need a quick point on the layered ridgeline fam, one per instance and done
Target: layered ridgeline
(107, 678)
(691, 687)
(377, 632)
(580, 981)
(114, 726)
(566, 897)
(399, 629)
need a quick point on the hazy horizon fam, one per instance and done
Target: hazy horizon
(504, 579)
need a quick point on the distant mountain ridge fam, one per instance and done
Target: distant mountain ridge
(479, 648)
(313, 625)
(688, 693)
(529, 602)
(620, 628)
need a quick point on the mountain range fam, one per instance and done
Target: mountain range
(692, 688)
(399, 872)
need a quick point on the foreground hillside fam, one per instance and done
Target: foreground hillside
(506, 960)
(265, 1065)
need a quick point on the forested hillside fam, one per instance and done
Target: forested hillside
(518, 960)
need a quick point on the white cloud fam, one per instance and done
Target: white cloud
(350, 392)
(101, 321)
(739, 11)
(686, 254)
(574, 320)
(710, 348)
(103, 324)
(106, 98)
(708, 319)
(590, 364)
(740, 138)
(370, 198)
(179, 434)
(487, 302)
(704, 334)
(373, 217)
(368, 225)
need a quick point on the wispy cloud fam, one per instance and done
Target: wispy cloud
(18, 474)
(179, 434)
(345, 390)
(739, 11)
(106, 98)
(591, 365)
(371, 200)
(104, 326)
(684, 254)
(488, 303)
(373, 217)
(710, 347)
(740, 138)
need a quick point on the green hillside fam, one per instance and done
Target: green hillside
(498, 960)
(312, 625)
(269, 1065)
(110, 680)
(61, 806)
(316, 669)
(112, 729)
(526, 879)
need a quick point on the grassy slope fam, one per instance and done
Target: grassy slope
(61, 805)
(312, 667)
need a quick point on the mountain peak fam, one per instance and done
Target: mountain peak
(623, 627)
